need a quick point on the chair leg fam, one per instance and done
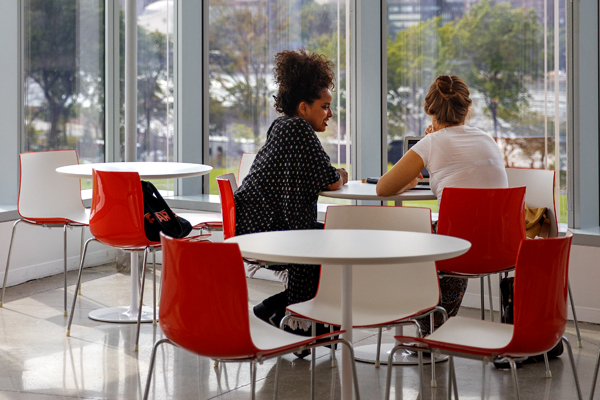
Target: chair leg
(65, 268)
(277, 372)
(547, 363)
(579, 343)
(139, 319)
(154, 286)
(313, 362)
(81, 251)
(450, 380)
(595, 375)
(482, 298)
(253, 379)
(332, 351)
(379, 334)
(151, 367)
(570, 352)
(78, 284)
(12, 237)
(489, 279)
(513, 368)
(432, 355)
(390, 365)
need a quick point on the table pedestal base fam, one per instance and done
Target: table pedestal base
(122, 315)
(368, 352)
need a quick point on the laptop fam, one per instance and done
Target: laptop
(410, 141)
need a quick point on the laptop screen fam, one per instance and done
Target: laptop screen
(410, 141)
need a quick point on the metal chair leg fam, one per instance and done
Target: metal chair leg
(313, 363)
(548, 372)
(595, 376)
(379, 334)
(12, 237)
(513, 368)
(482, 298)
(253, 379)
(332, 351)
(390, 365)
(489, 279)
(139, 318)
(154, 286)
(65, 268)
(151, 368)
(354, 373)
(579, 342)
(78, 284)
(570, 352)
(277, 372)
(81, 251)
(450, 380)
(432, 355)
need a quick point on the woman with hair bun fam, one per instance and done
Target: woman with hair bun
(455, 154)
(282, 188)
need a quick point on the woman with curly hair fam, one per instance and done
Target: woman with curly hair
(281, 190)
(456, 155)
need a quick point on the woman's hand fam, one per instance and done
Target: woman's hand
(429, 129)
(343, 175)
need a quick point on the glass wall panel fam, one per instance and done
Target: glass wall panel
(244, 37)
(505, 52)
(64, 77)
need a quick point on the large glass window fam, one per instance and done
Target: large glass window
(64, 77)
(244, 37)
(506, 52)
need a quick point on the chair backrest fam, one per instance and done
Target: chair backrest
(245, 164)
(492, 220)
(416, 283)
(44, 194)
(204, 299)
(117, 215)
(540, 295)
(540, 190)
(226, 187)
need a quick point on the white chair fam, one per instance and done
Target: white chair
(49, 199)
(539, 192)
(245, 164)
(382, 295)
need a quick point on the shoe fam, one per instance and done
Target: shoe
(502, 363)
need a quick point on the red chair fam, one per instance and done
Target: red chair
(493, 221)
(540, 316)
(117, 220)
(226, 186)
(49, 199)
(204, 309)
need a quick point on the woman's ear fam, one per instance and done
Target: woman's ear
(302, 109)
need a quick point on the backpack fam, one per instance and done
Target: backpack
(158, 216)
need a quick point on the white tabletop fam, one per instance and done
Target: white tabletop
(355, 190)
(348, 246)
(147, 170)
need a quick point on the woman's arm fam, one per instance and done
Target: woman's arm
(403, 176)
(341, 182)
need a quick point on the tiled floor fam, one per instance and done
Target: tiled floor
(38, 362)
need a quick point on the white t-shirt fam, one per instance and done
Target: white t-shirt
(461, 156)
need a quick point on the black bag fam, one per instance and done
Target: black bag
(507, 286)
(158, 217)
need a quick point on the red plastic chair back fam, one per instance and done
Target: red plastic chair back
(227, 206)
(540, 295)
(117, 214)
(493, 220)
(204, 298)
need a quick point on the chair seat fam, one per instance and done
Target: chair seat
(363, 315)
(77, 217)
(473, 335)
(269, 339)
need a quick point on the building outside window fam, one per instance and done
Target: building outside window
(506, 52)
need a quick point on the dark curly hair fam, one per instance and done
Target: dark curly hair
(301, 76)
(448, 100)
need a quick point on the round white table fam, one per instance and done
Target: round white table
(347, 248)
(147, 170)
(356, 190)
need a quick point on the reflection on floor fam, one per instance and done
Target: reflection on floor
(38, 362)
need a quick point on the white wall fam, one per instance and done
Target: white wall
(584, 276)
(38, 252)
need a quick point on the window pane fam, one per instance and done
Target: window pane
(244, 37)
(498, 49)
(64, 77)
